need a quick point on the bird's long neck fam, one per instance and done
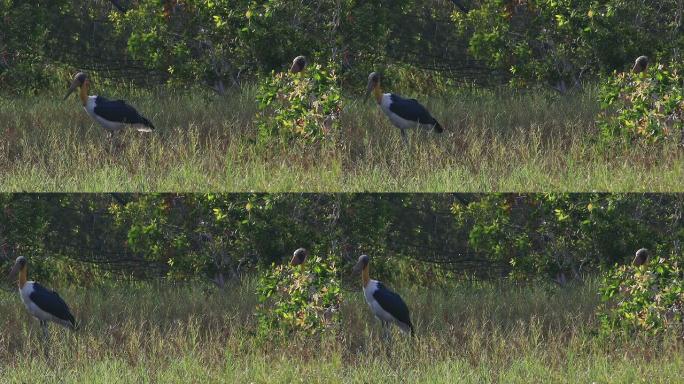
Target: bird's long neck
(365, 277)
(83, 93)
(377, 93)
(22, 277)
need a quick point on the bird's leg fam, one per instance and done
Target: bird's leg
(46, 337)
(385, 331)
(403, 136)
(110, 140)
(43, 325)
(119, 141)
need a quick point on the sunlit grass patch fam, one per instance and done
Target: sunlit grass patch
(494, 141)
(465, 333)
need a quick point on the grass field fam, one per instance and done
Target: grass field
(468, 333)
(493, 142)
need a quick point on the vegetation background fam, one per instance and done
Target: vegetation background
(502, 287)
(517, 84)
(224, 43)
(412, 237)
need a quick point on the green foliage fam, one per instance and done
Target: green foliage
(561, 236)
(49, 230)
(646, 107)
(219, 41)
(647, 298)
(207, 235)
(26, 29)
(411, 237)
(194, 40)
(561, 42)
(304, 298)
(222, 43)
(302, 106)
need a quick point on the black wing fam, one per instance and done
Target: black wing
(50, 302)
(393, 303)
(411, 109)
(119, 111)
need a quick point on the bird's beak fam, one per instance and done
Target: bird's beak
(72, 88)
(369, 88)
(13, 272)
(357, 268)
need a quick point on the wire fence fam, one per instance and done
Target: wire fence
(427, 40)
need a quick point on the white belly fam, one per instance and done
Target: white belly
(33, 309)
(106, 124)
(397, 120)
(375, 307)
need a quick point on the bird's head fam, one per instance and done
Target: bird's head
(361, 263)
(80, 80)
(19, 265)
(640, 64)
(299, 256)
(298, 64)
(641, 257)
(374, 86)
(373, 81)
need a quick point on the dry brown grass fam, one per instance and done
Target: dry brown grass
(494, 141)
(480, 333)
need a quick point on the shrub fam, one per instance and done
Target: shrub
(647, 298)
(301, 106)
(302, 298)
(647, 107)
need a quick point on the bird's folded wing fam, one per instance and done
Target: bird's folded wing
(392, 303)
(410, 109)
(117, 110)
(50, 302)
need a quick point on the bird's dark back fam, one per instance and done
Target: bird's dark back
(49, 301)
(393, 303)
(119, 111)
(411, 109)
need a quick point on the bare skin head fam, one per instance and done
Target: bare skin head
(373, 81)
(298, 64)
(362, 268)
(19, 264)
(299, 256)
(79, 80)
(641, 257)
(361, 263)
(640, 64)
(19, 268)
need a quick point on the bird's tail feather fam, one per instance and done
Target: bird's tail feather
(438, 128)
(146, 125)
(72, 323)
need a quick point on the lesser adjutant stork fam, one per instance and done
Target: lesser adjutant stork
(640, 64)
(641, 257)
(42, 303)
(112, 115)
(299, 256)
(298, 64)
(403, 113)
(386, 305)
